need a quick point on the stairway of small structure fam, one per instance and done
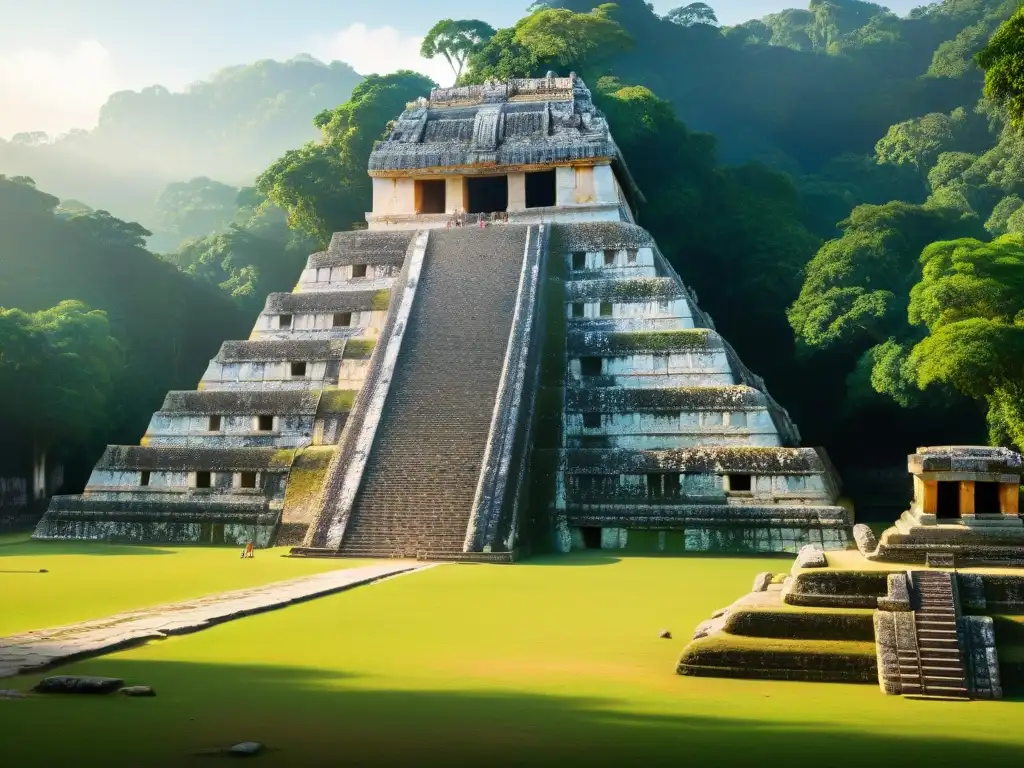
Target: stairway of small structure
(420, 480)
(938, 667)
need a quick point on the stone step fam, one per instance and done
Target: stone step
(420, 479)
(949, 681)
(944, 690)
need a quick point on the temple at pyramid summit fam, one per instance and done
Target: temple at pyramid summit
(501, 363)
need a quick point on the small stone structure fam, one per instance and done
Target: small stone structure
(965, 510)
(928, 631)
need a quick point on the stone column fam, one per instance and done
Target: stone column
(585, 191)
(927, 492)
(384, 195)
(966, 497)
(605, 185)
(517, 192)
(455, 194)
(1009, 499)
(565, 185)
(405, 196)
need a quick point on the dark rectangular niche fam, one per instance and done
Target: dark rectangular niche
(430, 196)
(540, 189)
(948, 500)
(740, 483)
(486, 194)
(986, 498)
(590, 366)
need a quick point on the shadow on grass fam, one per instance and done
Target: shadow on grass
(309, 717)
(582, 557)
(604, 557)
(25, 547)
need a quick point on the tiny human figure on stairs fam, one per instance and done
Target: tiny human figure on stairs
(248, 551)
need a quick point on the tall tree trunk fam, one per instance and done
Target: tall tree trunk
(38, 469)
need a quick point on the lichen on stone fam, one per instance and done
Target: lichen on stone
(325, 301)
(359, 349)
(228, 402)
(756, 460)
(335, 401)
(642, 342)
(182, 458)
(632, 400)
(634, 289)
(310, 350)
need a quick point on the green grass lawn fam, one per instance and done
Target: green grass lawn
(90, 580)
(548, 662)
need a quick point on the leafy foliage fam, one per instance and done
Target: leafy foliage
(323, 186)
(551, 38)
(694, 13)
(971, 299)
(1004, 74)
(456, 40)
(166, 324)
(57, 373)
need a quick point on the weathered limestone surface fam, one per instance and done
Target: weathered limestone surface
(665, 430)
(43, 648)
(215, 464)
(748, 640)
(810, 556)
(979, 640)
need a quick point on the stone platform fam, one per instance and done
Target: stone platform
(33, 651)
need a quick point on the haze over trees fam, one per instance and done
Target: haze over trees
(65, 290)
(227, 127)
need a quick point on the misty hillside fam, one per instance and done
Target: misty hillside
(228, 127)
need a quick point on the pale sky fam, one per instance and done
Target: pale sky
(60, 59)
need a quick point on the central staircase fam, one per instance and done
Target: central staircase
(420, 480)
(938, 669)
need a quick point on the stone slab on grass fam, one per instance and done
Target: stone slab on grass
(43, 648)
(78, 684)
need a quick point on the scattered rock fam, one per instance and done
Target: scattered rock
(137, 690)
(6, 693)
(76, 684)
(865, 539)
(811, 556)
(665, 634)
(246, 748)
(761, 581)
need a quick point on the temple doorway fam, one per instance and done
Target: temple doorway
(540, 189)
(591, 538)
(486, 194)
(986, 498)
(947, 502)
(430, 196)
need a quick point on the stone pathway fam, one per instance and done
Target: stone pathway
(36, 650)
